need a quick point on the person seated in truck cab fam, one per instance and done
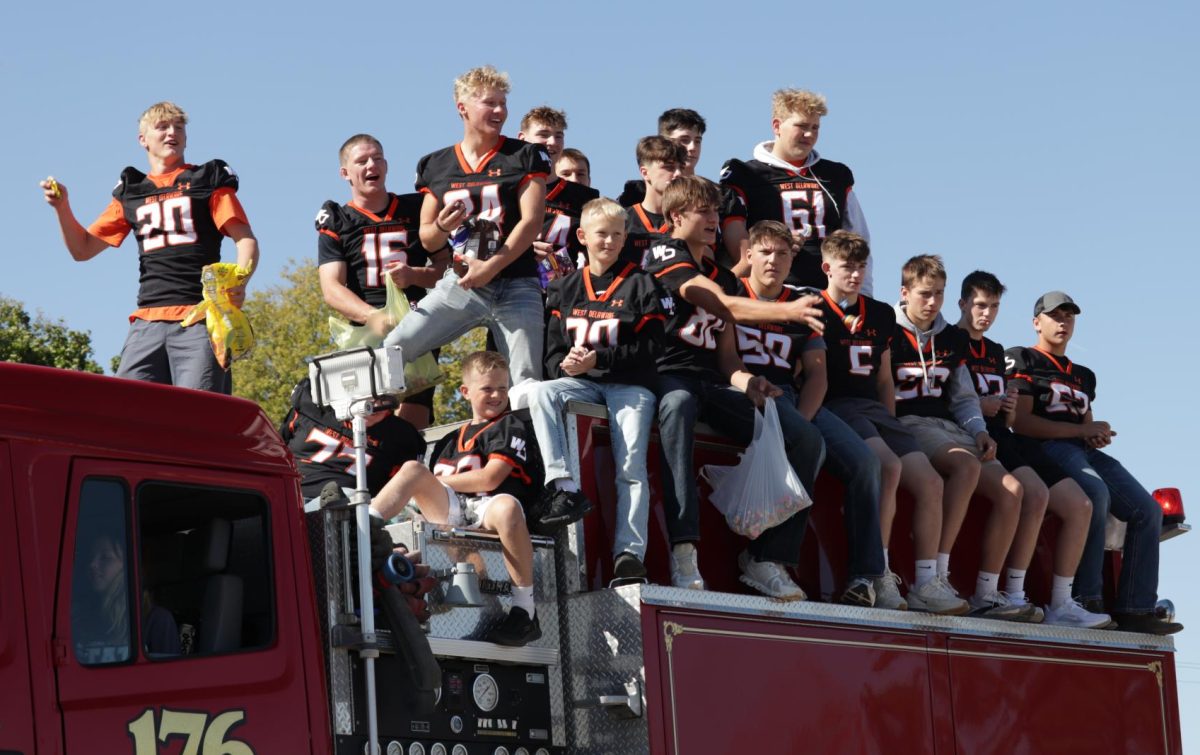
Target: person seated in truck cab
(484, 477)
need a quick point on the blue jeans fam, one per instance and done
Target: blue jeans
(511, 308)
(851, 460)
(682, 401)
(630, 414)
(1113, 490)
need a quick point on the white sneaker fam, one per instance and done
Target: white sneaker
(1072, 614)
(887, 592)
(1037, 615)
(769, 578)
(937, 596)
(998, 606)
(685, 571)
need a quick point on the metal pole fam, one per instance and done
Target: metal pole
(361, 500)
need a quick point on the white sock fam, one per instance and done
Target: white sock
(1014, 581)
(943, 564)
(522, 597)
(926, 571)
(1060, 590)
(567, 484)
(887, 567)
(986, 584)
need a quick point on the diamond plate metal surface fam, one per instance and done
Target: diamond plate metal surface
(326, 530)
(443, 546)
(605, 643)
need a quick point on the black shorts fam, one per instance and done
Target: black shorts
(1016, 451)
(870, 419)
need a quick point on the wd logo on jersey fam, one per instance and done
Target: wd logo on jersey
(323, 216)
(518, 447)
(668, 304)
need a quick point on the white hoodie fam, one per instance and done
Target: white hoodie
(853, 219)
(964, 401)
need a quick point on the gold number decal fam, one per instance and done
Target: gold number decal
(203, 737)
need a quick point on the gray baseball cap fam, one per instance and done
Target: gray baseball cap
(1051, 301)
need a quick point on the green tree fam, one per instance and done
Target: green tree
(290, 323)
(37, 340)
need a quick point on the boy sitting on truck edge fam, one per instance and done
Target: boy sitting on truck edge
(603, 336)
(935, 399)
(861, 393)
(792, 357)
(696, 369)
(1054, 404)
(482, 478)
(1046, 487)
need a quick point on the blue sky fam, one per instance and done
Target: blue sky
(1048, 143)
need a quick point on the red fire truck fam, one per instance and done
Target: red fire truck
(164, 590)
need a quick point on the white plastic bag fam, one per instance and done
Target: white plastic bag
(762, 490)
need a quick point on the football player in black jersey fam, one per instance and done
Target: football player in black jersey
(181, 213)
(1044, 485)
(559, 241)
(370, 238)
(485, 177)
(574, 166)
(696, 368)
(660, 161)
(788, 181)
(1055, 404)
(603, 335)
(792, 357)
(935, 399)
(485, 477)
(861, 393)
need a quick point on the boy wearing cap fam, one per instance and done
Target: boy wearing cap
(1055, 404)
(1045, 486)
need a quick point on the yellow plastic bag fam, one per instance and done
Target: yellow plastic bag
(229, 330)
(420, 373)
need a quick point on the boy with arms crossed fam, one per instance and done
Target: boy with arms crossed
(696, 370)
(788, 181)
(859, 333)
(481, 479)
(1055, 405)
(488, 177)
(1044, 484)
(370, 238)
(602, 340)
(181, 213)
(792, 357)
(935, 399)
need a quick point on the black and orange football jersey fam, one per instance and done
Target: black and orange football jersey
(809, 200)
(856, 337)
(642, 228)
(772, 349)
(922, 387)
(620, 315)
(490, 190)
(177, 217)
(1062, 390)
(508, 438)
(564, 201)
(323, 445)
(690, 341)
(368, 243)
(985, 360)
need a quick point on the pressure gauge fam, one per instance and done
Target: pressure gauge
(416, 748)
(486, 693)
(459, 750)
(437, 749)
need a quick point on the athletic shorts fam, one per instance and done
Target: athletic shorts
(870, 419)
(1016, 451)
(934, 434)
(466, 510)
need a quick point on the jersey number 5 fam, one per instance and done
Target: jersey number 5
(167, 223)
